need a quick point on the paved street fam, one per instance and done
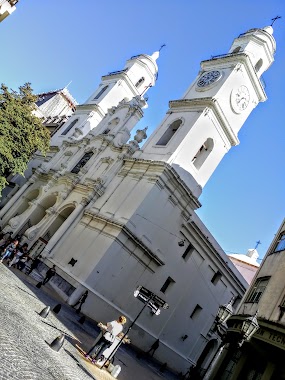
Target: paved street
(24, 352)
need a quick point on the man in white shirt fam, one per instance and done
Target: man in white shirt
(113, 329)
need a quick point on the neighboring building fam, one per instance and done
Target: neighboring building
(115, 216)
(262, 358)
(6, 8)
(54, 108)
(246, 264)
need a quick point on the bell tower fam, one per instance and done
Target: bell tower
(139, 74)
(199, 129)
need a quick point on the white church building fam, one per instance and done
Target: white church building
(112, 215)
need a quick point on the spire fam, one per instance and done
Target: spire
(268, 29)
(156, 54)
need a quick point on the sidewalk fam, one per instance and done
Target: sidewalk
(24, 352)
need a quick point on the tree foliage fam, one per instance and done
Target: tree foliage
(21, 132)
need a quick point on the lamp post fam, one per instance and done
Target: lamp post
(249, 328)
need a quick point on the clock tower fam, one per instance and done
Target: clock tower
(199, 129)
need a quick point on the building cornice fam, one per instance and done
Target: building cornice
(128, 232)
(217, 255)
(170, 172)
(199, 104)
(88, 107)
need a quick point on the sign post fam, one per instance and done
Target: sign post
(150, 300)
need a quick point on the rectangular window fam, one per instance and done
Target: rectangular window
(280, 246)
(188, 252)
(258, 289)
(196, 311)
(166, 285)
(217, 276)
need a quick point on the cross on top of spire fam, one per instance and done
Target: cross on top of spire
(274, 19)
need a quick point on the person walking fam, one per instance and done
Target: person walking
(80, 302)
(19, 252)
(112, 330)
(49, 274)
(9, 250)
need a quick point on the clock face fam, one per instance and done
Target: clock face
(240, 98)
(209, 78)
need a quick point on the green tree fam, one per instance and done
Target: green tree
(21, 132)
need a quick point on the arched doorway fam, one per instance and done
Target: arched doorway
(59, 220)
(206, 356)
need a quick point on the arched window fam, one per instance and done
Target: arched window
(82, 162)
(237, 50)
(71, 125)
(100, 92)
(169, 133)
(258, 65)
(140, 82)
(203, 152)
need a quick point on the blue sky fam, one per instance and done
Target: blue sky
(49, 43)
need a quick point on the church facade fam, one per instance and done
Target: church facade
(113, 216)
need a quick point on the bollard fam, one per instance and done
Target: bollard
(82, 320)
(44, 312)
(57, 308)
(116, 370)
(39, 284)
(57, 343)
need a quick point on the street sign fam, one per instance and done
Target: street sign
(154, 302)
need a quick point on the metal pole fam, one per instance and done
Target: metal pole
(123, 337)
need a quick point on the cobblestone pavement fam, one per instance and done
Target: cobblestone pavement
(24, 337)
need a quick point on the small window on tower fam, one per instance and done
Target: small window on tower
(196, 312)
(203, 152)
(187, 252)
(71, 125)
(217, 276)
(100, 92)
(140, 82)
(169, 133)
(167, 284)
(258, 65)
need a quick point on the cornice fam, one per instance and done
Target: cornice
(216, 254)
(199, 104)
(128, 232)
(170, 172)
(90, 107)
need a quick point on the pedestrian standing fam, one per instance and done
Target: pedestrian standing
(153, 348)
(49, 274)
(35, 263)
(81, 301)
(113, 329)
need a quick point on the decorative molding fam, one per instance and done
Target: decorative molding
(128, 232)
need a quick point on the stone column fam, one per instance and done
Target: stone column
(268, 371)
(15, 198)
